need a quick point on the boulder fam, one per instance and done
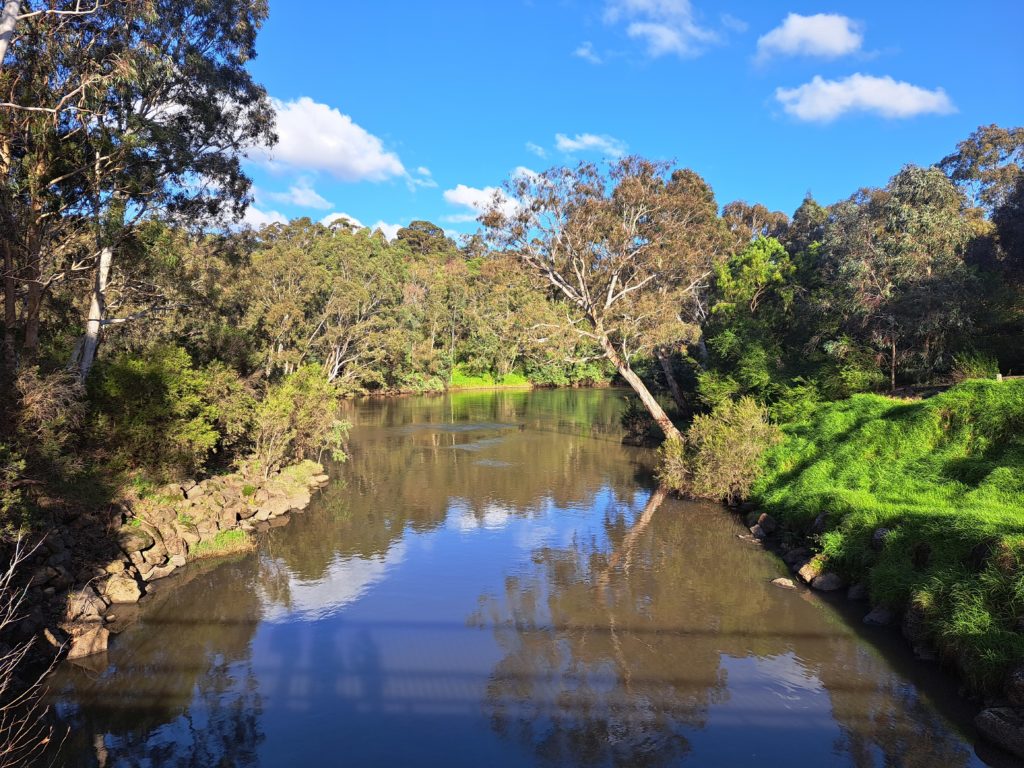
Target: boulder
(132, 538)
(178, 560)
(274, 506)
(878, 538)
(794, 556)
(122, 589)
(758, 532)
(828, 582)
(187, 485)
(114, 567)
(227, 519)
(1003, 726)
(1015, 687)
(767, 523)
(809, 571)
(195, 492)
(857, 592)
(91, 641)
(84, 604)
(320, 479)
(879, 616)
(820, 523)
(160, 572)
(784, 583)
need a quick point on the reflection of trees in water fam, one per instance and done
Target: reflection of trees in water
(411, 460)
(180, 689)
(613, 649)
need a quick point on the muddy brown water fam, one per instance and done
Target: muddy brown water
(486, 582)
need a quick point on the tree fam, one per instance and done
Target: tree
(987, 164)
(624, 251)
(748, 222)
(156, 109)
(895, 263)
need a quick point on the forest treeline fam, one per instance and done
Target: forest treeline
(144, 333)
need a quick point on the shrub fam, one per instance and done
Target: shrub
(974, 365)
(163, 413)
(721, 455)
(13, 515)
(51, 411)
(298, 419)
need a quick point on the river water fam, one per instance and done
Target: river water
(491, 580)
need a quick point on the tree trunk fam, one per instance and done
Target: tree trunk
(10, 310)
(670, 377)
(634, 381)
(7, 23)
(97, 310)
(892, 369)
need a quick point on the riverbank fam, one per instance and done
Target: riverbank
(87, 575)
(918, 505)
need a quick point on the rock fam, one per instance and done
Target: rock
(794, 556)
(122, 589)
(156, 555)
(261, 496)
(133, 539)
(263, 515)
(195, 492)
(828, 582)
(879, 537)
(114, 567)
(758, 532)
(178, 561)
(820, 523)
(84, 604)
(809, 571)
(767, 523)
(89, 642)
(279, 522)
(273, 507)
(857, 592)
(246, 512)
(187, 485)
(879, 616)
(227, 519)
(43, 575)
(1015, 687)
(160, 572)
(1003, 726)
(320, 479)
(745, 507)
(784, 583)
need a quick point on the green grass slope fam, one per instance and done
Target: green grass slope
(945, 476)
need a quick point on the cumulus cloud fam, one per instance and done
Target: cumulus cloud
(317, 137)
(664, 26)
(390, 230)
(331, 218)
(590, 142)
(824, 100)
(256, 218)
(587, 53)
(301, 194)
(824, 34)
(477, 201)
(536, 149)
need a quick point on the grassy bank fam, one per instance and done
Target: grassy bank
(944, 478)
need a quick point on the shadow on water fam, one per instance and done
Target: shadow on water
(529, 601)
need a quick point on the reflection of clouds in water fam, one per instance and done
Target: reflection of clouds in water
(492, 517)
(346, 580)
(493, 463)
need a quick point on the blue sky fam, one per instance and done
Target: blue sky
(394, 110)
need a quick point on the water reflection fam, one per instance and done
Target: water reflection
(495, 583)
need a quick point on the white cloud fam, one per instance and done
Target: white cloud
(536, 149)
(390, 230)
(590, 142)
(823, 34)
(734, 24)
(256, 218)
(587, 53)
(423, 171)
(301, 194)
(333, 217)
(478, 201)
(522, 172)
(665, 26)
(317, 137)
(824, 100)
(423, 178)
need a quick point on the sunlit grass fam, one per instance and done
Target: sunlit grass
(946, 476)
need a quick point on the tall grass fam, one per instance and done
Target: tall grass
(945, 477)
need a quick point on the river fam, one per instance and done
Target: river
(489, 580)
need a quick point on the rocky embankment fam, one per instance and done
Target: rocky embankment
(76, 606)
(1001, 721)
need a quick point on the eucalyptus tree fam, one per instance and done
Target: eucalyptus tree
(625, 251)
(987, 164)
(156, 109)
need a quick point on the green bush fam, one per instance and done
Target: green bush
(721, 455)
(974, 365)
(297, 418)
(13, 514)
(165, 415)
